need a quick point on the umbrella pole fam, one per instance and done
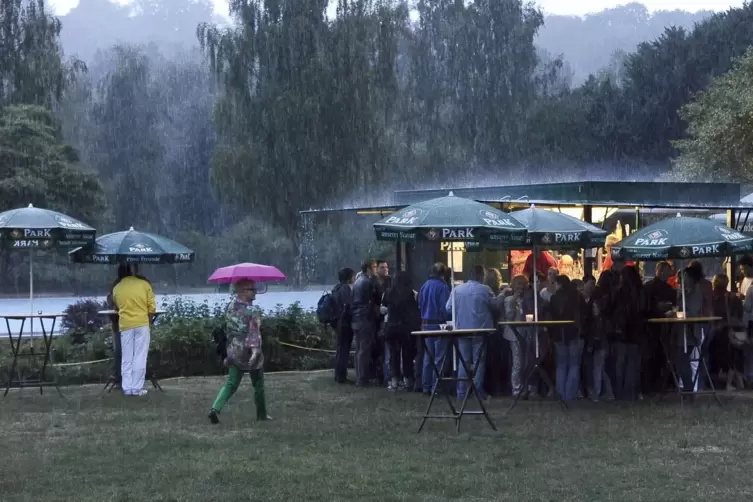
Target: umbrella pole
(535, 301)
(684, 311)
(452, 299)
(31, 292)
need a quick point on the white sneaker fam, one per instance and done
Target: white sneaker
(142, 392)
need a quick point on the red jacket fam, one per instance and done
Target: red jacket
(544, 261)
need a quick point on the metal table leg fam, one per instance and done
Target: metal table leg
(438, 374)
(15, 348)
(470, 377)
(537, 367)
(677, 376)
(47, 337)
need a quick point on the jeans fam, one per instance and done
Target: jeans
(436, 349)
(387, 369)
(627, 370)
(342, 352)
(523, 359)
(600, 378)
(364, 336)
(470, 349)
(707, 336)
(748, 361)
(568, 368)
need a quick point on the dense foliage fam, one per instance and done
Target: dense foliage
(181, 343)
(218, 134)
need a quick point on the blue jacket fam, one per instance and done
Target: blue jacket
(432, 300)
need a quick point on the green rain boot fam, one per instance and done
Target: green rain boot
(257, 380)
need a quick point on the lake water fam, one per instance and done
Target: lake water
(56, 305)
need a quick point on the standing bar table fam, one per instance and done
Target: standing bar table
(111, 382)
(452, 336)
(532, 350)
(15, 345)
(669, 350)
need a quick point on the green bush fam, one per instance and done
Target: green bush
(81, 319)
(181, 345)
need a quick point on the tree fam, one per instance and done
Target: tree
(661, 76)
(37, 167)
(32, 69)
(305, 106)
(719, 145)
(128, 147)
(472, 69)
(187, 97)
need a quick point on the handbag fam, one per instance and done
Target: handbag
(737, 335)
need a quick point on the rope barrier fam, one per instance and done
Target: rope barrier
(299, 347)
(81, 363)
(98, 361)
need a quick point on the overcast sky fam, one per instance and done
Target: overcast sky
(575, 7)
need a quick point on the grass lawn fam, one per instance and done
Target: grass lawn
(331, 442)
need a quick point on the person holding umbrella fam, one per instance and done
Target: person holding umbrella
(244, 350)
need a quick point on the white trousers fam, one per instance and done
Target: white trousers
(135, 345)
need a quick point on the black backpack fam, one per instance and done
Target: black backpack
(219, 336)
(327, 309)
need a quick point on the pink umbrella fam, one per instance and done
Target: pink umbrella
(248, 271)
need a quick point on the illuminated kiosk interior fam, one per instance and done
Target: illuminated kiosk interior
(632, 204)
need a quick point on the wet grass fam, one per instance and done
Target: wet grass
(331, 442)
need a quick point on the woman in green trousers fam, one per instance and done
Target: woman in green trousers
(242, 328)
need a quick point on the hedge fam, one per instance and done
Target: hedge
(181, 343)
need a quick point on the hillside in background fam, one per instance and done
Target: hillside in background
(590, 44)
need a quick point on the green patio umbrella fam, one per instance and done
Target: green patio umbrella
(682, 238)
(555, 230)
(34, 228)
(451, 219)
(132, 246)
(31, 228)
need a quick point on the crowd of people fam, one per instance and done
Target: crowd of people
(609, 351)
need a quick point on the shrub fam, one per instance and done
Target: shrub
(182, 344)
(81, 319)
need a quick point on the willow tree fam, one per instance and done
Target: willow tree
(32, 69)
(128, 148)
(302, 120)
(472, 74)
